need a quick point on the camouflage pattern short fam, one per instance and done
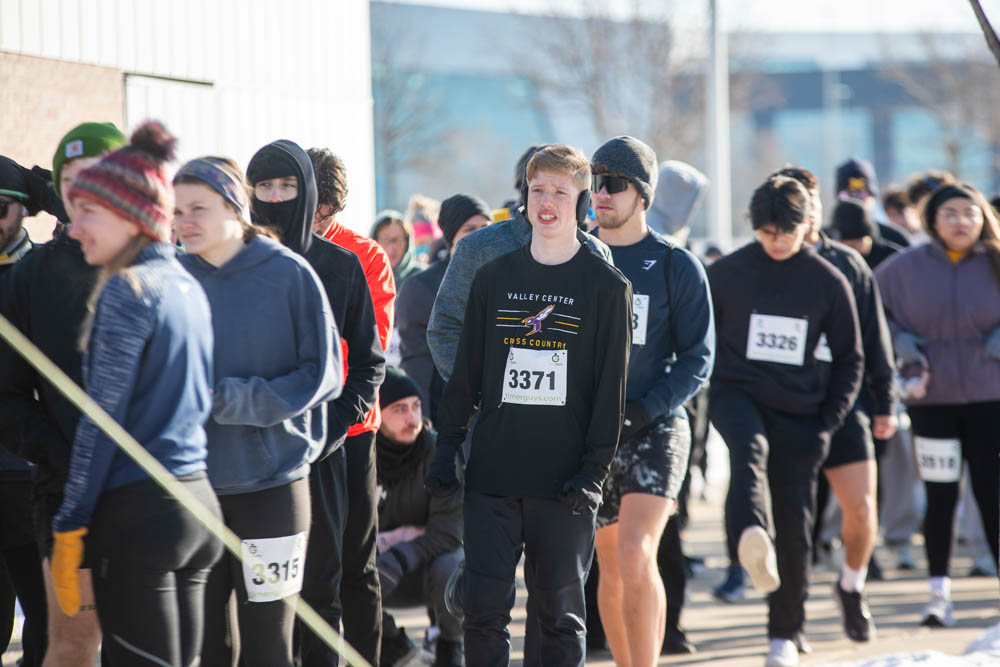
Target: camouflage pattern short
(653, 462)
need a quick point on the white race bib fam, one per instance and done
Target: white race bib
(640, 315)
(273, 567)
(394, 353)
(778, 339)
(535, 377)
(823, 352)
(939, 459)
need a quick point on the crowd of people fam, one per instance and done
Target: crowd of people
(396, 420)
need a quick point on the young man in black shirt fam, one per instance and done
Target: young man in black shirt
(673, 339)
(773, 402)
(543, 356)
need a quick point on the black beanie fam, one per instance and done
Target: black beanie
(397, 386)
(455, 210)
(632, 159)
(851, 221)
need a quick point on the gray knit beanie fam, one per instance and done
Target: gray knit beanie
(632, 159)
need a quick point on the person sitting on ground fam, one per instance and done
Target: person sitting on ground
(420, 536)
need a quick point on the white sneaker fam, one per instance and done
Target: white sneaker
(782, 653)
(756, 553)
(938, 613)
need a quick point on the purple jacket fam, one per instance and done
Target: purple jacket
(954, 306)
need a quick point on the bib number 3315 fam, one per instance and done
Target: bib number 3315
(777, 339)
(273, 567)
(535, 377)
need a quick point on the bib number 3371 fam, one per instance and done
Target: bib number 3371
(273, 567)
(535, 377)
(777, 339)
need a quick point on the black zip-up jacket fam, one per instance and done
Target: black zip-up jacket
(343, 280)
(45, 296)
(747, 283)
(876, 394)
(407, 503)
(543, 334)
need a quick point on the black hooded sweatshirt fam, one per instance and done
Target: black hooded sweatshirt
(45, 296)
(340, 273)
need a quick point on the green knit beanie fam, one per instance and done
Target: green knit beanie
(85, 140)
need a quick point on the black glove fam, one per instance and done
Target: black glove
(636, 419)
(391, 567)
(442, 480)
(581, 495)
(41, 193)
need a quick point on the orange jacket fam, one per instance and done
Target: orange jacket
(381, 284)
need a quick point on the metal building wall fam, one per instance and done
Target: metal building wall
(227, 76)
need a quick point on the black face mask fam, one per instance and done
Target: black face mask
(279, 216)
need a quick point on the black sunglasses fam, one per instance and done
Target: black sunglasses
(613, 184)
(5, 205)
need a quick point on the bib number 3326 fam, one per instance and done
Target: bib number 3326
(777, 339)
(535, 377)
(273, 567)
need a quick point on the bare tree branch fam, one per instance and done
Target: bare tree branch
(984, 23)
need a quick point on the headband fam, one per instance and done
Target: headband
(220, 177)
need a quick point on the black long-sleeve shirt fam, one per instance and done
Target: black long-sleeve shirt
(543, 355)
(769, 316)
(876, 392)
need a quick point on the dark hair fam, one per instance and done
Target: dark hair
(800, 174)
(331, 178)
(250, 230)
(781, 201)
(389, 218)
(926, 183)
(895, 198)
(989, 236)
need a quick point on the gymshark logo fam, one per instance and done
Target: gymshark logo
(647, 264)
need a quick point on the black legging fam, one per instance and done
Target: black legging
(21, 571)
(977, 426)
(151, 563)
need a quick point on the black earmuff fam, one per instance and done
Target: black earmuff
(582, 207)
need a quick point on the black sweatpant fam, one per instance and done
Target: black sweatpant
(774, 460)
(321, 583)
(977, 426)
(21, 571)
(265, 628)
(151, 563)
(360, 594)
(560, 545)
(424, 587)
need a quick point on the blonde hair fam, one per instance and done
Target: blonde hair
(561, 159)
(119, 264)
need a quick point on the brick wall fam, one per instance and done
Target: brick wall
(42, 100)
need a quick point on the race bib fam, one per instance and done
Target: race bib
(394, 353)
(273, 567)
(939, 459)
(640, 315)
(535, 377)
(778, 339)
(823, 352)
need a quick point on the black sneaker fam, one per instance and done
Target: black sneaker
(675, 642)
(734, 587)
(858, 625)
(448, 654)
(453, 601)
(397, 649)
(874, 570)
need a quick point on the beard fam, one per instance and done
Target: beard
(9, 235)
(614, 219)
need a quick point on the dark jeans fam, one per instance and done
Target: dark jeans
(264, 635)
(321, 584)
(424, 587)
(359, 589)
(151, 564)
(560, 546)
(21, 572)
(977, 426)
(774, 459)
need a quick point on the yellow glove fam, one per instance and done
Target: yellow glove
(67, 554)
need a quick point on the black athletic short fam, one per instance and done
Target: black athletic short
(852, 442)
(654, 462)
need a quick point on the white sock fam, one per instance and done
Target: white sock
(853, 581)
(777, 645)
(941, 585)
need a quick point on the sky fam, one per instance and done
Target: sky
(788, 15)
